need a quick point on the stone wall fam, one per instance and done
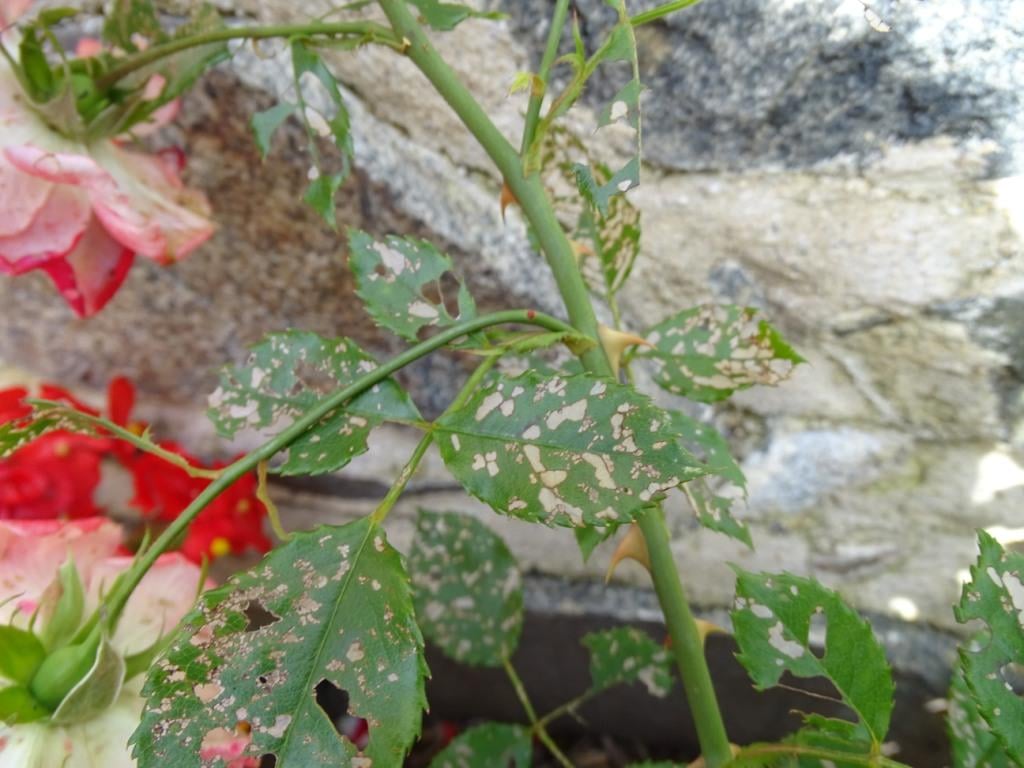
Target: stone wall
(861, 187)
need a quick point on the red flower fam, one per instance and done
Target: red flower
(54, 476)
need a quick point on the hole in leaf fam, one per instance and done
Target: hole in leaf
(258, 616)
(1013, 675)
(315, 378)
(381, 271)
(268, 761)
(817, 634)
(225, 744)
(449, 288)
(334, 702)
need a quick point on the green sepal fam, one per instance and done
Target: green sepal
(17, 706)
(96, 691)
(66, 616)
(21, 654)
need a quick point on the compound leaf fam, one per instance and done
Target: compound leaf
(289, 373)
(772, 621)
(467, 588)
(335, 606)
(568, 451)
(709, 352)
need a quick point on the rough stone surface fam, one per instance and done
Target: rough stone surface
(857, 186)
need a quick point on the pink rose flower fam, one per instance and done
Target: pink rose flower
(80, 212)
(31, 551)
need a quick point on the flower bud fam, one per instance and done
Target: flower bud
(61, 609)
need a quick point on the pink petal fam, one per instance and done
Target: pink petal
(31, 551)
(21, 197)
(60, 167)
(10, 10)
(151, 211)
(87, 47)
(91, 273)
(55, 230)
(164, 596)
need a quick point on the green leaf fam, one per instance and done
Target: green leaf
(130, 22)
(15, 434)
(467, 589)
(447, 16)
(337, 125)
(995, 595)
(706, 443)
(21, 653)
(626, 655)
(772, 622)
(95, 692)
(491, 745)
(17, 706)
(400, 281)
(972, 741)
(339, 610)
(569, 451)
(265, 123)
(589, 537)
(708, 352)
(714, 512)
(289, 373)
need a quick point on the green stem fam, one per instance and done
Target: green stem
(421, 448)
(537, 726)
(546, 62)
(118, 597)
(528, 190)
(841, 758)
(365, 29)
(536, 206)
(645, 17)
(687, 645)
(567, 708)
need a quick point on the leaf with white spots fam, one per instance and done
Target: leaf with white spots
(772, 622)
(973, 745)
(467, 588)
(289, 373)
(335, 605)
(709, 352)
(995, 595)
(714, 512)
(627, 655)
(568, 451)
(401, 282)
(323, 118)
(491, 745)
(598, 189)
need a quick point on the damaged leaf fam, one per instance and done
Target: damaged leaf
(995, 595)
(400, 281)
(446, 16)
(467, 588)
(286, 375)
(772, 621)
(709, 352)
(488, 746)
(972, 742)
(627, 655)
(569, 451)
(341, 611)
(323, 118)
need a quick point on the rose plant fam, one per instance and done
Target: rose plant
(573, 444)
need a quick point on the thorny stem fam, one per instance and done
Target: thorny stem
(367, 30)
(421, 448)
(123, 589)
(547, 60)
(537, 726)
(536, 206)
